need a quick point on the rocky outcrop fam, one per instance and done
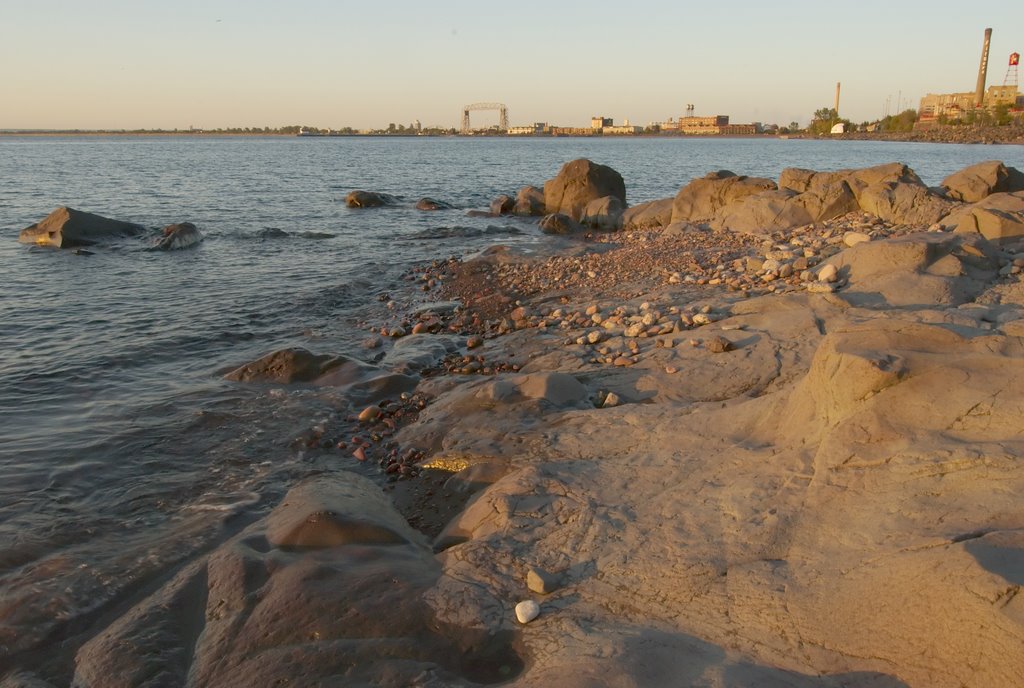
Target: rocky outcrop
(178, 236)
(904, 203)
(976, 182)
(998, 218)
(288, 366)
(330, 584)
(603, 213)
(648, 215)
(771, 211)
(367, 199)
(363, 382)
(559, 223)
(702, 198)
(801, 180)
(917, 270)
(69, 228)
(529, 202)
(578, 183)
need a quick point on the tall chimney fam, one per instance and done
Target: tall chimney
(979, 96)
(837, 99)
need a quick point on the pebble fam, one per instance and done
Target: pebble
(369, 413)
(527, 611)
(611, 400)
(671, 370)
(474, 341)
(718, 345)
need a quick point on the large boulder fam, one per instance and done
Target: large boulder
(974, 183)
(801, 180)
(998, 218)
(784, 209)
(702, 198)
(503, 205)
(67, 228)
(648, 215)
(578, 183)
(904, 203)
(367, 199)
(529, 201)
(603, 213)
(178, 236)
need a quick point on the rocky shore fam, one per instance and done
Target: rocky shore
(765, 432)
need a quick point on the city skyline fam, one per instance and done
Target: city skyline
(124, 65)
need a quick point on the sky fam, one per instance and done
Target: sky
(229, 63)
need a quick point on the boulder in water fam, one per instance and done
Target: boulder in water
(578, 183)
(431, 204)
(67, 228)
(367, 199)
(177, 236)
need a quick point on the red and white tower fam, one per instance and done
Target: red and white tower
(1011, 71)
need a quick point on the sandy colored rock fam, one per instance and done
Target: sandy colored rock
(529, 201)
(999, 217)
(903, 203)
(648, 215)
(976, 182)
(773, 211)
(604, 213)
(70, 228)
(702, 198)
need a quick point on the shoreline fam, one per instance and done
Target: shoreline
(971, 135)
(786, 456)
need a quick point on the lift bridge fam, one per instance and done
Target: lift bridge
(500, 107)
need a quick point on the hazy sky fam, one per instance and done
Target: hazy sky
(220, 63)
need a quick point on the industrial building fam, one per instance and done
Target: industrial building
(954, 105)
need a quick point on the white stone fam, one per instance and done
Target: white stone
(527, 611)
(611, 400)
(828, 273)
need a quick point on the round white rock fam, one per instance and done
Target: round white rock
(527, 611)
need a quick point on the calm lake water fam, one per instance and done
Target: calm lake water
(122, 451)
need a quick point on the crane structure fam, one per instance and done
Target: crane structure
(500, 107)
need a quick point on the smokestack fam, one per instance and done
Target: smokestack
(837, 99)
(979, 96)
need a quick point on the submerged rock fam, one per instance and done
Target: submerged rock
(178, 236)
(68, 228)
(431, 204)
(367, 199)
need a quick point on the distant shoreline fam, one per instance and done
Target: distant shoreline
(1007, 135)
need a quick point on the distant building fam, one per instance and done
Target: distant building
(703, 125)
(600, 122)
(572, 131)
(953, 105)
(535, 129)
(622, 130)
